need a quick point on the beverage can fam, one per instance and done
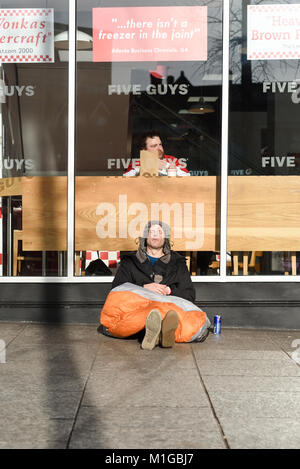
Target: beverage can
(217, 324)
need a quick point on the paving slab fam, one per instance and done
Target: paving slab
(45, 370)
(262, 433)
(288, 341)
(13, 377)
(9, 331)
(58, 334)
(252, 383)
(128, 355)
(236, 354)
(261, 404)
(54, 405)
(284, 338)
(25, 432)
(147, 427)
(156, 387)
(248, 368)
(227, 340)
(58, 353)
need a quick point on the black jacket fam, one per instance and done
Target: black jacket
(173, 273)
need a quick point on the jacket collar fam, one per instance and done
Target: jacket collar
(142, 256)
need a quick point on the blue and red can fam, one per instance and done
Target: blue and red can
(217, 324)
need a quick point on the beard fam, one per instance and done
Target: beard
(155, 244)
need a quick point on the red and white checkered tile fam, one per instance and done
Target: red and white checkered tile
(110, 258)
(25, 12)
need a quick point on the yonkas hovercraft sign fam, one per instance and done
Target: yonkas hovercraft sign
(26, 35)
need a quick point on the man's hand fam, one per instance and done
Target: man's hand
(157, 288)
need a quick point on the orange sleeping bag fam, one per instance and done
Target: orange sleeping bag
(127, 307)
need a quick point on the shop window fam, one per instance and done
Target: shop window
(155, 69)
(33, 139)
(264, 142)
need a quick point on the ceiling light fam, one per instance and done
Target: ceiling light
(84, 41)
(201, 107)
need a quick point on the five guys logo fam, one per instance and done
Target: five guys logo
(160, 89)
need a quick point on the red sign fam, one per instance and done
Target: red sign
(149, 34)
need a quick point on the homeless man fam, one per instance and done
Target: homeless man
(152, 290)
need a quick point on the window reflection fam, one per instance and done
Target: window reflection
(33, 136)
(178, 100)
(263, 135)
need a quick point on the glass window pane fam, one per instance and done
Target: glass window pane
(149, 78)
(33, 136)
(264, 169)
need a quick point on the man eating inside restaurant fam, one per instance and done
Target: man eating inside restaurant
(151, 142)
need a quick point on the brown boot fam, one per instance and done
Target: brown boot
(168, 329)
(152, 330)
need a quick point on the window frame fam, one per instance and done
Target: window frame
(222, 277)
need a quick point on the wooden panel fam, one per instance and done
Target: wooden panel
(189, 204)
(45, 214)
(11, 186)
(263, 213)
(123, 205)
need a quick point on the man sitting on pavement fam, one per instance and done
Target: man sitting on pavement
(157, 269)
(152, 143)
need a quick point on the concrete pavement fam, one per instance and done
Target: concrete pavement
(66, 386)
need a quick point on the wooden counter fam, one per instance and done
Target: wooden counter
(263, 211)
(111, 212)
